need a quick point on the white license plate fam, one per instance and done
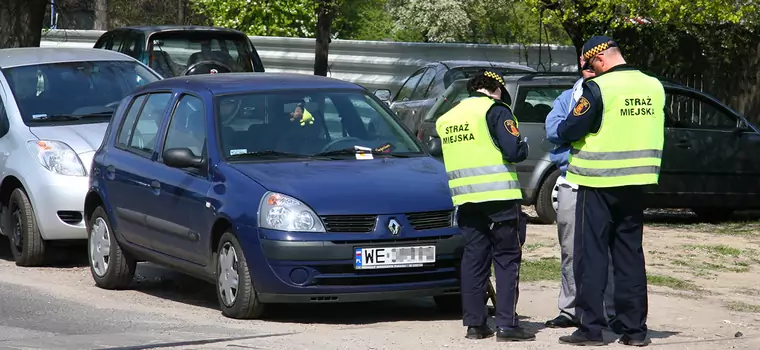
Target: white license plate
(393, 257)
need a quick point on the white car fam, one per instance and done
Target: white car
(55, 105)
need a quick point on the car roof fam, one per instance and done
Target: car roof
(148, 29)
(230, 83)
(25, 56)
(467, 63)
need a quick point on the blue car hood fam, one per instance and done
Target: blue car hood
(345, 187)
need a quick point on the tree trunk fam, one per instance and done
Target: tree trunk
(181, 12)
(101, 15)
(325, 14)
(21, 22)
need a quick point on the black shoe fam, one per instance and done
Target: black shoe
(515, 334)
(560, 322)
(579, 340)
(479, 332)
(626, 340)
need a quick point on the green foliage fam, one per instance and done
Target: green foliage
(291, 18)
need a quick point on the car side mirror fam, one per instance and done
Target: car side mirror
(182, 158)
(383, 95)
(435, 147)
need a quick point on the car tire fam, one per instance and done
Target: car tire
(449, 303)
(713, 215)
(110, 266)
(27, 246)
(546, 200)
(243, 301)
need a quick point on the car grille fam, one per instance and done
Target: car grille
(350, 223)
(345, 275)
(430, 220)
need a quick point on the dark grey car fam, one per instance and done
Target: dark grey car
(421, 90)
(711, 157)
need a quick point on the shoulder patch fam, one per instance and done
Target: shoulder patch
(511, 127)
(581, 107)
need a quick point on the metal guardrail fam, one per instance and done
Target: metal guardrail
(372, 64)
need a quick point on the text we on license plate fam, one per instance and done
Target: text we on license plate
(393, 257)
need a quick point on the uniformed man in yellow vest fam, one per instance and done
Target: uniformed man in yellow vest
(481, 143)
(616, 130)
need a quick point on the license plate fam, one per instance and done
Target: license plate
(393, 257)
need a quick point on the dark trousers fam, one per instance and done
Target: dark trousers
(491, 231)
(610, 220)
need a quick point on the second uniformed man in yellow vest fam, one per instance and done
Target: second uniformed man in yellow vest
(481, 143)
(616, 130)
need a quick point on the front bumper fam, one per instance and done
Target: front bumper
(288, 271)
(59, 206)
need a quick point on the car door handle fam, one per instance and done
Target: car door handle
(110, 169)
(155, 185)
(683, 144)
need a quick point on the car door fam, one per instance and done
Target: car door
(420, 101)
(128, 167)
(403, 99)
(703, 153)
(183, 226)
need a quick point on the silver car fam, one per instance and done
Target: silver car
(55, 105)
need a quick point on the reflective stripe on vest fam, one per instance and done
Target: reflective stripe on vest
(475, 167)
(627, 149)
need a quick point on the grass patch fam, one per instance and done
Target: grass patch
(700, 269)
(742, 307)
(671, 282)
(716, 249)
(544, 269)
(748, 291)
(531, 247)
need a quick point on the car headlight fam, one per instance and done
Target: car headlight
(455, 217)
(280, 212)
(57, 157)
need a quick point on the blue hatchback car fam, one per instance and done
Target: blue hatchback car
(278, 188)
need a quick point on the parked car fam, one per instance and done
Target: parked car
(423, 87)
(55, 104)
(185, 50)
(710, 163)
(208, 175)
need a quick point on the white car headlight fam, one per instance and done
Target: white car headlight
(57, 157)
(280, 212)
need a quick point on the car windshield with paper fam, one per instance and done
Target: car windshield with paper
(309, 123)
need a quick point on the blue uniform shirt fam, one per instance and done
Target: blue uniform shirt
(561, 108)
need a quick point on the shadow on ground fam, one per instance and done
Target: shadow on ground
(687, 217)
(64, 256)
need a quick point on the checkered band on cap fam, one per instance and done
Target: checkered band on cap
(595, 50)
(494, 76)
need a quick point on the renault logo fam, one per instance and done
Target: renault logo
(394, 227)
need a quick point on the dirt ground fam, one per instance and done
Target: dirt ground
(704, 294)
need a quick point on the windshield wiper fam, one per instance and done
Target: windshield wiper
(266, 153)
(67, 117)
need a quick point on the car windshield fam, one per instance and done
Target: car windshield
(308, 123)
(455, 74)
(173, 52)
(71, 90)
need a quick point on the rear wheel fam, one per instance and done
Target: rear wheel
(713, 215)
(27, 246)
(546, 200)
(234, 287)
(110, 266)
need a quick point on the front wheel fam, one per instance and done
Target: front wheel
(546, 200)
(448, 303)
(234, 288)
(27, 245)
